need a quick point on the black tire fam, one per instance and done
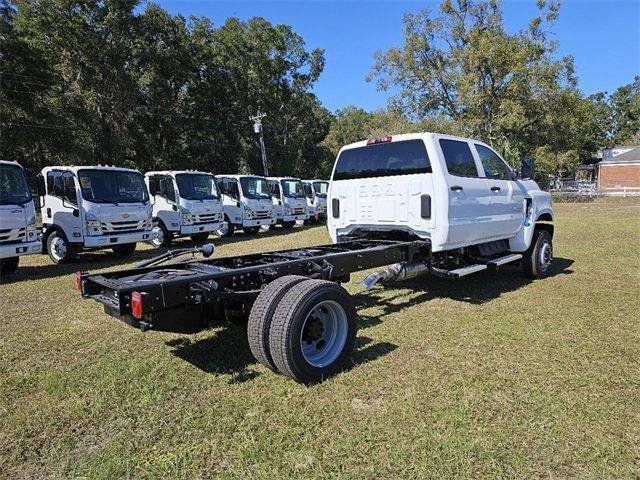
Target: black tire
(288, 225)
(261, 315)
(124, 249)
(251, 230)
(200, 237)
(536, 261)
(166, 236)
(289, 319)
(9, 265)
(60, 250)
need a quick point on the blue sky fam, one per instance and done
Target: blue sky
(603, 37)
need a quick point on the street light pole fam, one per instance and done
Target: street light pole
(257, 128)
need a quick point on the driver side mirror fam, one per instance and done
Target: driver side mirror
(527, 168)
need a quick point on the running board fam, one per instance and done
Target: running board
(459, 272)
(496, 262)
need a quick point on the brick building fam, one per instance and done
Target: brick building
(620, 168)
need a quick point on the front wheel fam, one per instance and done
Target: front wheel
(60, 250)
(9, 265)
(229, 230)
(288, 225)
(313, 331)
(537, 259)
(160, 235)
(124, 249)
(200, 237)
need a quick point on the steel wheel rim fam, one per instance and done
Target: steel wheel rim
(546, 255)
(324, 333)
(58, 248)
(158, 236)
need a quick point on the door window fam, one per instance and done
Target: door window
(494, 166)
(458, 157)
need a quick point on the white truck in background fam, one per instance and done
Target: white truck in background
(185, 203)
(246, 201)
(315, 192)
(289, 200)
(92, 207)
(18, 232)
(457, 193)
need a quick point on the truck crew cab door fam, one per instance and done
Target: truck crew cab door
(507, 200)
(469, 195)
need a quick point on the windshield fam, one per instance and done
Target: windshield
(255, 187)
(112, 186)
(381, 160)
(308, 190)
(13, 185)
(321, 188)
(292, 188)
(196, 186)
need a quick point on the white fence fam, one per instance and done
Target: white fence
(571, 188)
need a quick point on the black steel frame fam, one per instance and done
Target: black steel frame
(238, 280)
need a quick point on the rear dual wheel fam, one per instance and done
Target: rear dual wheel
(311, 331)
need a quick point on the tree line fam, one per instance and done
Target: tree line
(125, 83)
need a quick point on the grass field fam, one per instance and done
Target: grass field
(492, 376)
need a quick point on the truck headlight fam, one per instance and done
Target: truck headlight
(31, 232)
(248, 212)
(93, 227)
(187, 216)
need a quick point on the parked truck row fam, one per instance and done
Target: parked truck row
(99, 207)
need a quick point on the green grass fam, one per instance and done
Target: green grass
(492, 376)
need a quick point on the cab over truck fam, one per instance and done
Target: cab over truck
(90, 208)
(18, 233)
(315, 192)
(246, 202)
(289, 200)
(185, 203)
(412, 204)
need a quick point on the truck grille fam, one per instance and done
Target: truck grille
(298, 211)
(12, 235)
(125, 227)
(262, 214)
(208, 218)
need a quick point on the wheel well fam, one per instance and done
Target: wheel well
(545, 226)
(545, 217)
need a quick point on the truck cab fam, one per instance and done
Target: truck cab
(316, 193)
(456, 192)
(289, 200)
(185, 203)
(246, 201)
(93, 207)
(18, 232)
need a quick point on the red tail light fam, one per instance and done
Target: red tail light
(136, 304)
(79, 280)
(373, 141)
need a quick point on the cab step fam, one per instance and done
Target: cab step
(513, 257)
(459, 272)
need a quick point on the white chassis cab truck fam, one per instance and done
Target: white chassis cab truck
(185, 203)
(18, 233)
(316, 193)
(246, 202)
(406, 205)
(289, 200)
(92, 207)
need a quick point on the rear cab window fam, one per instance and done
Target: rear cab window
(458, 158)
(404, 157)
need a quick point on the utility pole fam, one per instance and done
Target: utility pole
(257, 127)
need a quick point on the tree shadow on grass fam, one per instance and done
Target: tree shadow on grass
(476, 289)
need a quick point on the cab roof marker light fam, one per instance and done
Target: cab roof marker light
(375, 141)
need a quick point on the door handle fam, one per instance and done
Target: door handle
(495, 189)
(456, 188)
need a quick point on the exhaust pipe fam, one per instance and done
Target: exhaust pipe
(397, 271)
